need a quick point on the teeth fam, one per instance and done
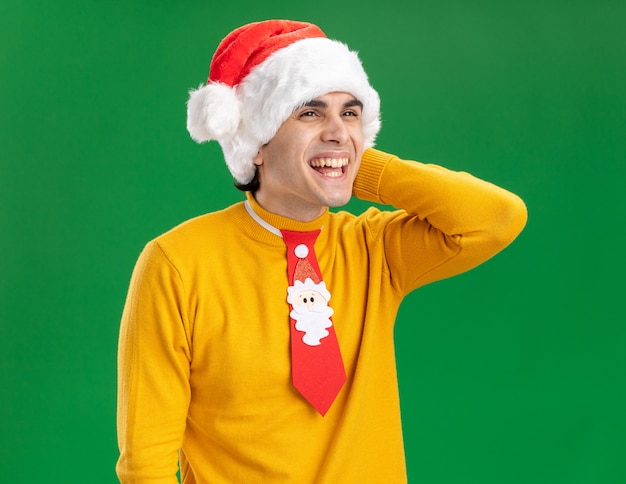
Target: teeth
(329, 162)
(333, 174)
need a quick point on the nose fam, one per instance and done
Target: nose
(335, 130)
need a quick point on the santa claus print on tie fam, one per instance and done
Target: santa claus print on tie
(310, 310)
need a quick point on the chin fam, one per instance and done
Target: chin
(338, 200)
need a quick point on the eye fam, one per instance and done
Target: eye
(305, 301)
(307, 114)
(352, 113)
(312, 299)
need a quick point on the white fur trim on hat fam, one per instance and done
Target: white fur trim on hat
(267, 96)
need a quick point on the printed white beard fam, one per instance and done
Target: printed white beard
(312, 323)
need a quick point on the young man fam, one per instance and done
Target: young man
(257, 341)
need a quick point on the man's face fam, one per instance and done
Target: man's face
(311, 162)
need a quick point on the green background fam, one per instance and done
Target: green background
(512, 373)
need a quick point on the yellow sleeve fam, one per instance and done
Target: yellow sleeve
(153, 372)
(449, 221)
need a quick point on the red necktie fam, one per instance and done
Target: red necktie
(316, 366)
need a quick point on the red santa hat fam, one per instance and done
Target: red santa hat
(259, 74)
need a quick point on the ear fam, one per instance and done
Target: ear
(258, 158)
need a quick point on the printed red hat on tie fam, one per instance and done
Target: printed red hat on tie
(259, 74)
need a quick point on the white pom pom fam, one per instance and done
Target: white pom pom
(213, 112)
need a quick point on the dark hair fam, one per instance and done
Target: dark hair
(252, 186)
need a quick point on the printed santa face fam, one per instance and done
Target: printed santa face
(310, 310)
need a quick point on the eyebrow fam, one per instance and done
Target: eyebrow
(316, 103)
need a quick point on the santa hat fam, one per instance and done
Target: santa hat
(259, 74)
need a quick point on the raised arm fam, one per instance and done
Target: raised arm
(450, 221)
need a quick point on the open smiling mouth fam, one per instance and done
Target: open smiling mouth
(330, 167)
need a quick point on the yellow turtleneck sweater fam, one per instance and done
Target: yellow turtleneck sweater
(204, 369)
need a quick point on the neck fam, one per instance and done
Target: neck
(281, 222)
(295, 211)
